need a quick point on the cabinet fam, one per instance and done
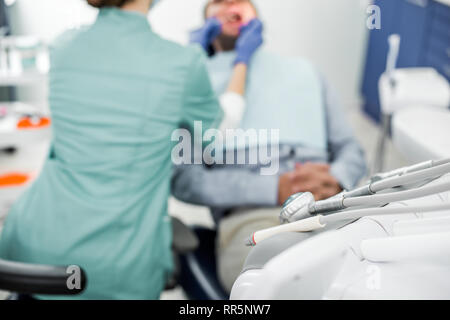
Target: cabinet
(424, 26)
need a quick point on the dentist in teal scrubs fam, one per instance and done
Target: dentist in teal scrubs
(117, 93)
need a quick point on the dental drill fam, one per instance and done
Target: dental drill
(410, 169)
(320, 221)
(305, 214)
(302, 205)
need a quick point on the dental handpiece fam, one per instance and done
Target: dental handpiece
(409, 169)
(302, 205)
(319, 221)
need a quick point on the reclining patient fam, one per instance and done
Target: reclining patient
(317, 150)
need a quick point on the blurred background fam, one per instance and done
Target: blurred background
(332, 34)
(324, 31)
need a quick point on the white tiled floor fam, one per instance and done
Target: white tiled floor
(30, 159)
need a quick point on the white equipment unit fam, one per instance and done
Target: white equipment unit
(22, 124)
(415, 101)
(24, 61)
(422, 133)
(399, 256)
(418, 104)
(22, 55)
(8, 195)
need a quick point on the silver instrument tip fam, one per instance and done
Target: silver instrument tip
(249, 242)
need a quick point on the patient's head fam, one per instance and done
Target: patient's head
(232, 14)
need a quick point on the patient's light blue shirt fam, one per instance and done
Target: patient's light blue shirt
(225, 187)
(283, 93)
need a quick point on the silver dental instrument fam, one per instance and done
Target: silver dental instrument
(409, 169)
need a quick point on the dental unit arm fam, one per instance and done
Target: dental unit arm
(302, 205)
(319, 221)
(409, 169)
(305, 214)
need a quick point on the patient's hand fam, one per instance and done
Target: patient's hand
(309, 177)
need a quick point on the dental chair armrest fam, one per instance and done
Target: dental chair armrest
(184, 239)
(38, 279)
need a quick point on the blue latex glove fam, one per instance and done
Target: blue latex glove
(249, 41)
(206, 34)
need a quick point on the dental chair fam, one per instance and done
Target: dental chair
(387, 256)
(399, 252)
(198, 269)
(330, 264)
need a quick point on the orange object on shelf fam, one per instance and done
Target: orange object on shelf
(27, 123)
(13, 180)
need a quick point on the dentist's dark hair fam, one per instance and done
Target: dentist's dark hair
(107, 3)
(209, 3)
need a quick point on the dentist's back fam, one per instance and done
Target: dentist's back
(117, 92)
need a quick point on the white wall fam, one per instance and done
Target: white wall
(331, 33)
(46, 19)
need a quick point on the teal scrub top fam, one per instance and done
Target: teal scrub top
(117, 93)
